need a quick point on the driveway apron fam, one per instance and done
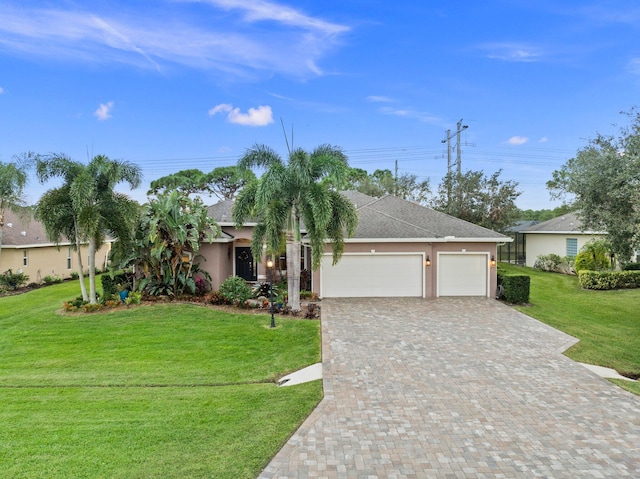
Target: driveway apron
(457, 388)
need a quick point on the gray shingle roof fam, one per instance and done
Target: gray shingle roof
(392, 217)
(20, 230)
(569, 223)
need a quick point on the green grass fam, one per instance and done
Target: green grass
(158, 391)
(607, 323)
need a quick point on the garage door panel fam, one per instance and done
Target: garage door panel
(462, 275)
(377, 275)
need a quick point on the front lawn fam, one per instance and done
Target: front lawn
(161, 391)
(607, 323)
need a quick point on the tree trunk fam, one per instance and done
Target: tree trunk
(92, 271)
(1, 225)
(293, 272)
(83, 286)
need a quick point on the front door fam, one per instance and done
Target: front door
(245, 266)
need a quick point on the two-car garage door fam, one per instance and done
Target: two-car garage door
(403, 275)
(373, 275)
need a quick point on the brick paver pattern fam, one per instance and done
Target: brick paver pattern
(457, 388)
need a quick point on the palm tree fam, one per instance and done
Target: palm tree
(13, 179)
(86, 207)
(287, 195)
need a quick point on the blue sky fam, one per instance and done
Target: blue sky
(176, 84)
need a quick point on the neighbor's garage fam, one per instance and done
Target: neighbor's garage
(373, 275)
(463, 274)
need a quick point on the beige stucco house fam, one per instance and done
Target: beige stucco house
(399, 249)
(26, 249)
(562, 236)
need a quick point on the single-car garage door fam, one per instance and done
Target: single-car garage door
(373, 275)
(463, 274)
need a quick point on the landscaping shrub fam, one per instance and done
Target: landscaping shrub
(13, 280)
(514, 288)
(216, 298)
(554, 264)
(632, 267)
(586, 260)
(75, 275)
(115, 282)
(52, 279)
(235, 290)
(605, 280)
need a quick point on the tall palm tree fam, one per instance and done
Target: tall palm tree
(288, 194)
(13, 179)
(93, 208)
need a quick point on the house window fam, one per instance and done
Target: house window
(572, 247)
(25, 258)
(69, 258)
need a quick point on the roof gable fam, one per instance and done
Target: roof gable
(569, 223)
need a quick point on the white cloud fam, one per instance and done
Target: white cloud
(1, 90)
(222, 39)
(517, 140)
(544, 139)
(413, 114)
(104, 111)
(260, 116)
(378, 99)
(260, 10)
(633, 65)
(512, 52)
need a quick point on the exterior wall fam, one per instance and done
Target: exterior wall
(550, 243)
(48, 260)
(429, 250)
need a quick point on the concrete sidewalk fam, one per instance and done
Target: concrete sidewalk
(460, 388)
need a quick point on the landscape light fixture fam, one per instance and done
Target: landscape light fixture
(270, 268)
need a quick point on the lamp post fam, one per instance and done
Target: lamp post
(270, 268)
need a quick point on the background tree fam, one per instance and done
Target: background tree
(13, 179)
(96, 209)
(383, 182)
(603, 183)
(294, 192)
(226, 181)
(185, 181)
(223, 182)
(544, 214)
(171, 226)
(474, 197)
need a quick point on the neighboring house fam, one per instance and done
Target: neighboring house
(399, 249)
(26, 249)
(562, 236)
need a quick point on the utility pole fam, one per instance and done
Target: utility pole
(459, 129)
(395, 183)
(447, 140)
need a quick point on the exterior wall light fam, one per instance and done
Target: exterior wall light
(427, 262)
(493, 261)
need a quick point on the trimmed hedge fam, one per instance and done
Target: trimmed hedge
(515, 287)
(604, 280)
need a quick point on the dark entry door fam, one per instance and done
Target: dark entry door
(245, 266)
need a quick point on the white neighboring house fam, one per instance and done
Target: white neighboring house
(562, 236)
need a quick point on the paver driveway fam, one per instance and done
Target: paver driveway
(457, 388)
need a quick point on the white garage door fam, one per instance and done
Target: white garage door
(372, 275)
(463, 274)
